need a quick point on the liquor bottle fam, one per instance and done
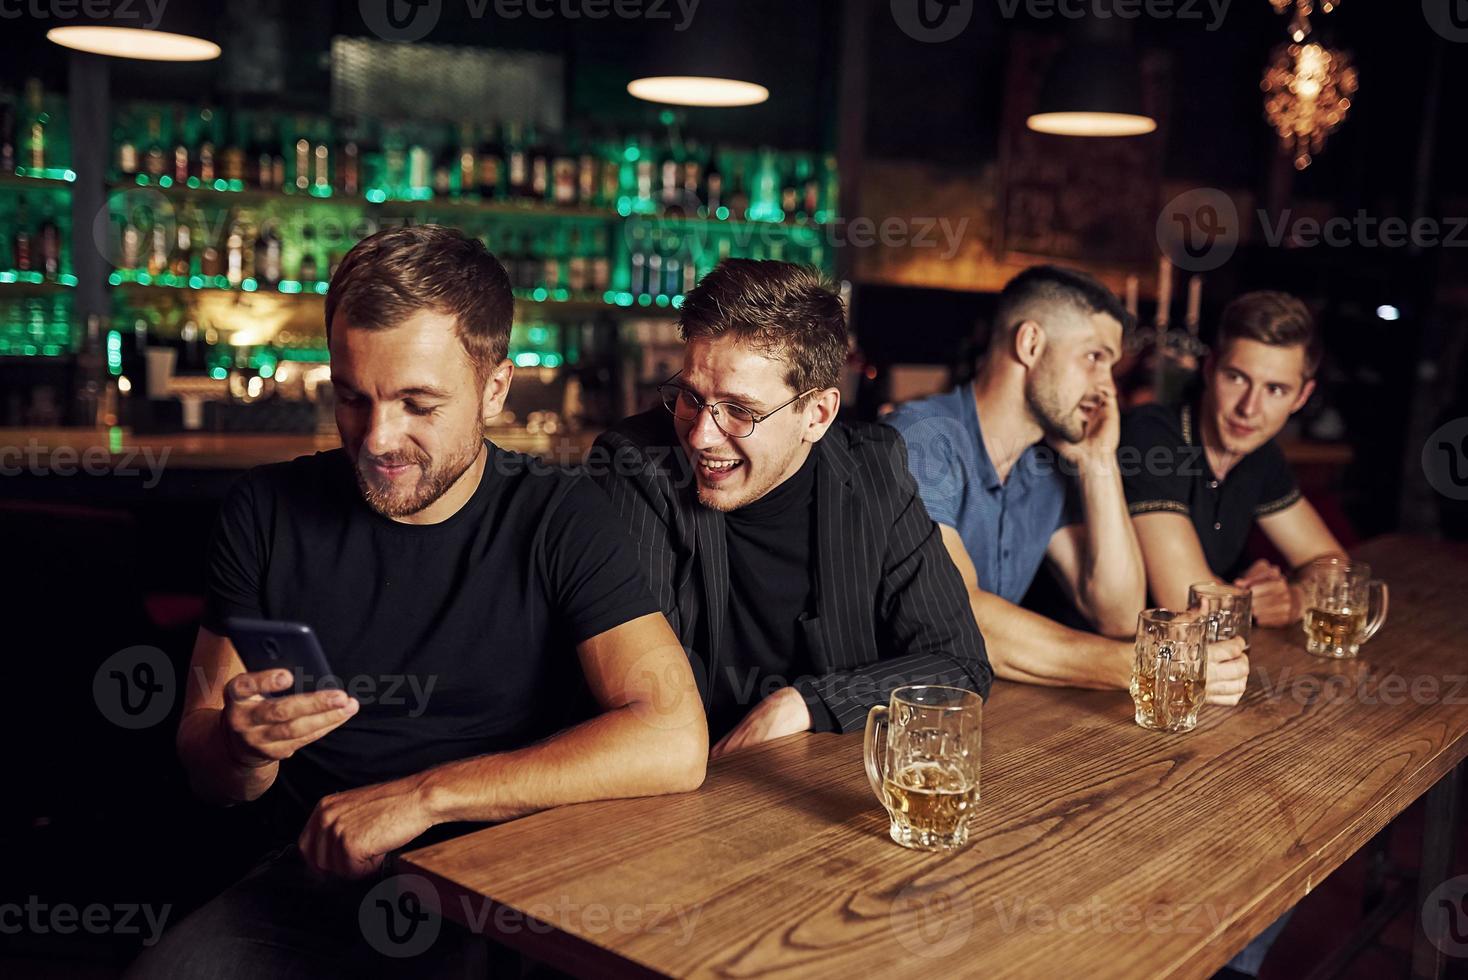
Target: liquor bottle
(308, 271)
(713, 182)
(267, 256)
(182, 260)
(127, 153)
(180, 153)
(7, 138)
(638, 259)
(132, 243)
(550, 262)
(601, 262)
(158, 250)
(39, 118)
(655, 263)
(420, 168)
(154, 162)
(586, 177)
(21, 252)
(50, 247)
(673, 266)
(303, 162)
(738, 194)
(690, 271)
(540, 164)
(811, 186)
(233, 159)
(831, 193)
(577, 269)
(563, 178)
(468, 164)
(321, 161)
(670, 182)
(790, 193)
(211, 262)
(611, 183)
(262, 157)
(530, 268)
(491, 166)
(234, 254)
(517, 163)
(349, 171)
(208, 162)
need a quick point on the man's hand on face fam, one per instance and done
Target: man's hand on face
(782, 713)
(1103, 435)
(350, 834)
(259, 731)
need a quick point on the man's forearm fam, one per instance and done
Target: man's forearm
(636, 750)
(214, 774)
(1024, 646)
(1113, 587)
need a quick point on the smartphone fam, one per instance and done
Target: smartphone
(266, 644)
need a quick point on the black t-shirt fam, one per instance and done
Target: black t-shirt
(459, 636)
(771, 582)
(1164, 468)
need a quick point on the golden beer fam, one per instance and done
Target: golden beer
(922, 760)
(1344, 607)
(1326, 630)
(1183, 696)
(1170, 669)
(929, 800)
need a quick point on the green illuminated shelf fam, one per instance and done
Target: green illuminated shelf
(13, 283)
(57, 179)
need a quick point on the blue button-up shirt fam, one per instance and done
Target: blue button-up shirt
(1005, 526)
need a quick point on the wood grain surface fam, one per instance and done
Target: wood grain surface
(1098, 850)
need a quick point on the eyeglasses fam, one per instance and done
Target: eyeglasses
(735, 421)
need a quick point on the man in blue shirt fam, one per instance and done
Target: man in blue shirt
(1021, 467)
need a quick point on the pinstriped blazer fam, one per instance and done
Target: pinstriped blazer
(889, 606)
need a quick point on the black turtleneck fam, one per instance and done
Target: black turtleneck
(771, 544)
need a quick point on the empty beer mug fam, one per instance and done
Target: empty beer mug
(1344, 606)
(1171, 668)
(1230, 606)
(922, 758)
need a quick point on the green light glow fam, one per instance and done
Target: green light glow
(218, 373)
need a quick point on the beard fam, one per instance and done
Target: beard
(1057, 419)
(390, 500)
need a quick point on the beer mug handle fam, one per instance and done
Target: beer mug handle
(1377, 597)
(875, 749)
(1160, 673)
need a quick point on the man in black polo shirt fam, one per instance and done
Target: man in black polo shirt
(467, 598)
(791, 553)
(1199, 475)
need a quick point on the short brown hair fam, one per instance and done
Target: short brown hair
(778, 308)
(389, 276)
(1273, 318)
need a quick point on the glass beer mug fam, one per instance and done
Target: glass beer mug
(1171, 668)
(1340, 596)
(922, 759)
(1229, 605)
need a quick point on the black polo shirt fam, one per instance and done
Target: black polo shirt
(1164, 468)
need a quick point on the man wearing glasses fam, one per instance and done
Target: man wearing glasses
(791, 553)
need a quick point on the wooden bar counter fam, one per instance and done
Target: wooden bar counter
(1098, 850)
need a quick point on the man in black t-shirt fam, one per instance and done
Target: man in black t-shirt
(1199, 476)
(791, 553)
(467, 599)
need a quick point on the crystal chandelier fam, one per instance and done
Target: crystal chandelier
(1307, 86)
